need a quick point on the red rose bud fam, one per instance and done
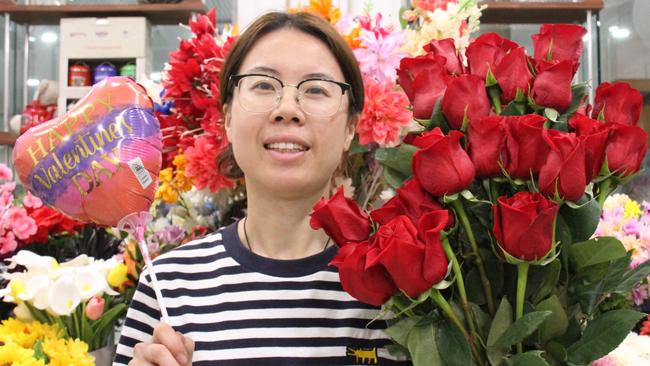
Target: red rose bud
(559, 42)
(564, 171)
(513, 74)
(411, 200)
(447, 49)
(523, 225)
(341, 219)
(626, 148)
(594, 135)
(424, 81)
(465, 97)
(95, 307)
(486, 52)
(371, 284)
(525, 146)
(619, 102)
(552, 87)
(396, 246)
(435, 260)
(442, 167)
(487, 145)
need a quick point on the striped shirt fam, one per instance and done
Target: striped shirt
(244, 309)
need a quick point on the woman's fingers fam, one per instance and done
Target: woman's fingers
(174, 342)
(145, 354)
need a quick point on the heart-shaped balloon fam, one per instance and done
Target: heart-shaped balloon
(100, 161)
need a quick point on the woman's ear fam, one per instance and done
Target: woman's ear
(226, 119)
(350, 130)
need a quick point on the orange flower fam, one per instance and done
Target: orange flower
(322, 8)
(353, 39)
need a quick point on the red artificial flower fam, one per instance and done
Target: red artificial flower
(552, 86)
(441, 166)
(559, 42)
(594, 135)
(525, 146)
(341, 218)
(204, 23)
(487, 145)
(626, 149)
(202, 163)
(523, 225)
(49, 222)
(465, 98)
(564, 171)
(385, 111)
(513, 74)
(619, 103)
(424, 81)
(487, 51)
(447, 49)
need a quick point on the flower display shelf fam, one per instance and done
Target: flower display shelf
(52, 14)
(538, 12)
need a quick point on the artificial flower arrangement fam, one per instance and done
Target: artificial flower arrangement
(32, 343)
(77, 295)
(485, 254)
(629, 222)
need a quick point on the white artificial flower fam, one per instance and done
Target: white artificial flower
(635, 350)
(78, 261)
(64, 296)
(34, 263)
(36, 290)
(159, 224)
(348, 187)
(387, 194)
(90, 283)
(22, 312)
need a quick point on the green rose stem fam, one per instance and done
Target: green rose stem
(455, 266)
(493, 91)
(522, 279)
(487, 288)
(603, 191)
(494, 191)
(437, 297)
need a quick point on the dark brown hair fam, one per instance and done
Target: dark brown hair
(304, 22)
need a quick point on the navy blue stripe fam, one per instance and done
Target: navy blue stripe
(282, 323)
(194, 276)
(297, 361)
(292, 342)
(255, 286)
(266, 304)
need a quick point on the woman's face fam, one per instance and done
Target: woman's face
(285, 151)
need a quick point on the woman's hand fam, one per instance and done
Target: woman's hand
(167, 348)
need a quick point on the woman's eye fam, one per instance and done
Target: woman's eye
(264, 86)
(316, 91)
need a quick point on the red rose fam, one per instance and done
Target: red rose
(526, 148)
(424, 81)
(619, 102)
(559, 42)
(564, 170)
(341, 219)
(486, 52)
(447, 49)
(552, 87)
(626, 148)
(397, 247)
(487, 145)
(523, 225)
(50, 221)
(442, 166)
(594, 135)
(411, 200)
(465, 97)
(370, 285)
(513, 74)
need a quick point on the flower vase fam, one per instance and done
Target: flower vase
(104, 356)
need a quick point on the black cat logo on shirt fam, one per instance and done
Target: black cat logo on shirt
(364, 356)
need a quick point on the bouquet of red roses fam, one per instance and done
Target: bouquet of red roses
(497, 199)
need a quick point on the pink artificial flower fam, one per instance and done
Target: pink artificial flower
(639, 294)
(5, 173)
(21, 224)
(8, 187)
(379, 56)
(8, 243)
(31, 201)
(431, 5)
(384, 113)
(95, 307)
(202, 163)
(605, 361)
(6, 198)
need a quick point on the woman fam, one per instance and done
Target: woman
(260, 292)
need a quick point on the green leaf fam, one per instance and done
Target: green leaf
(422, 345)
(557, 323)
(633, 277)
(39, 354)
(595, 281)
(39, 315)
(357, 148)
(451, 340)
(522, 328)
(603, 335)
(595, 251)
(532, 358)
(399, 332)
(581, 220)
(438, 119)
(501, 322)
(578, 93)
(482, 321)
(514, 109)
(551, 275)
(107, 321)
(394, 178)
(397, 158)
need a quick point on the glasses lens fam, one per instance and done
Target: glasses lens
(259, 93)
(320, 97)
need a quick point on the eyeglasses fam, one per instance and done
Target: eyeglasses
(259, 93)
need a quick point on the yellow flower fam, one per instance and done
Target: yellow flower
(167, 193)
(12, 353)
(632, 210)
(17, 287)
(182, 182)
(67, 352)
(117, 275)
(166, 175)
(180, 161)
